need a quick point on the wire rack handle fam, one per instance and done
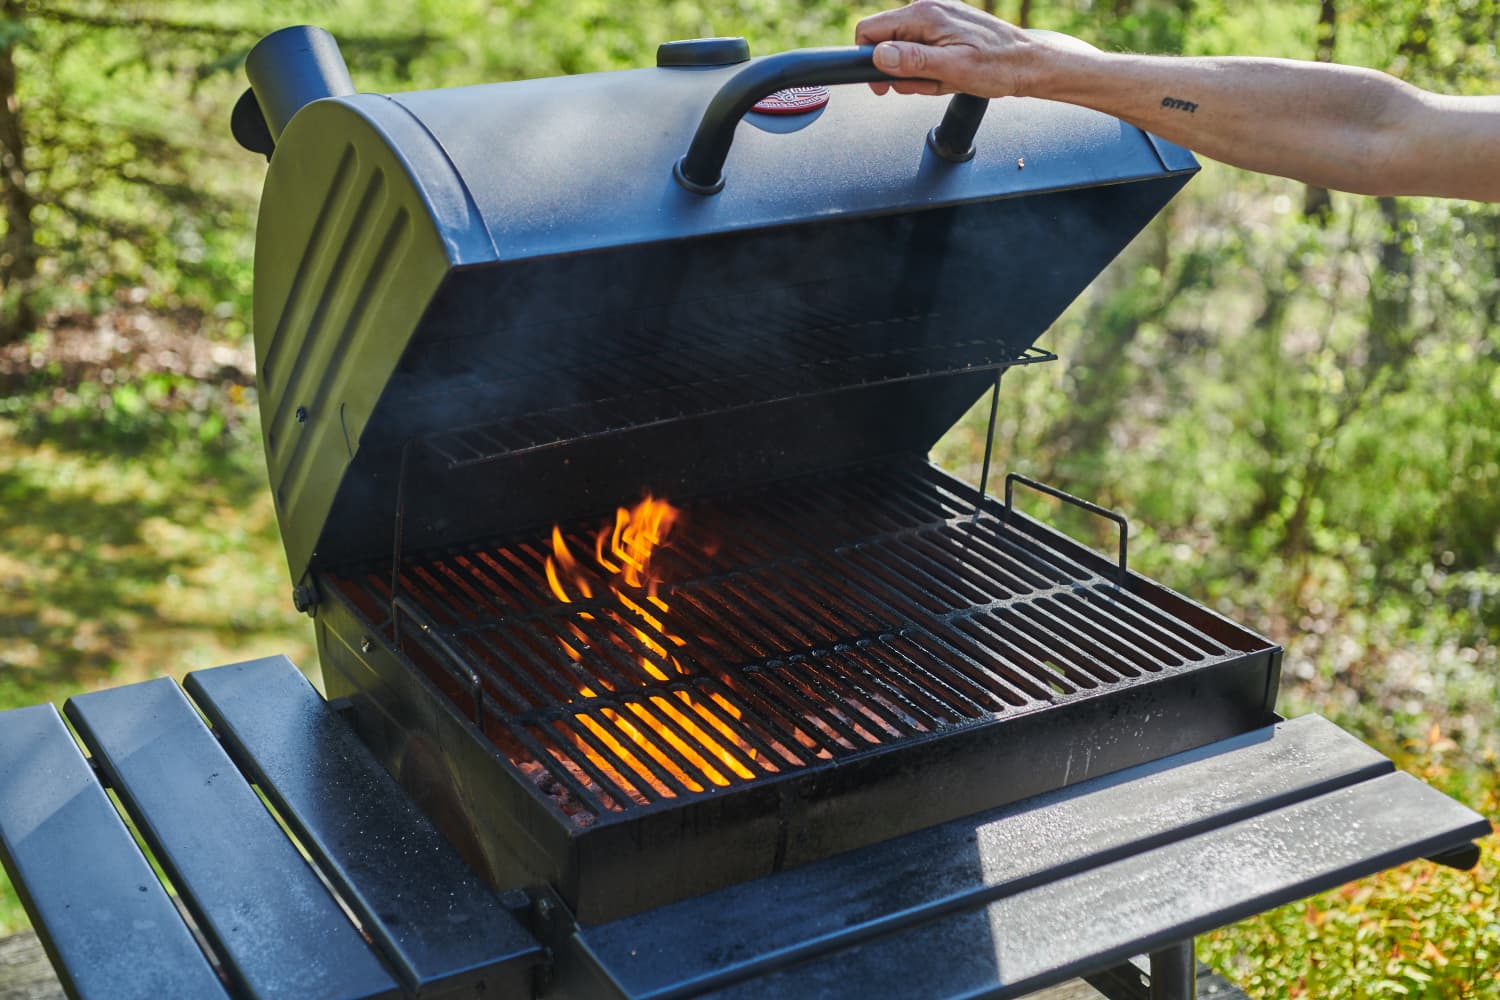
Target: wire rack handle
(1121, 564)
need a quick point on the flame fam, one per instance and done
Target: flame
(622, 555)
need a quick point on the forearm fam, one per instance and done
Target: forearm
(1335, 126)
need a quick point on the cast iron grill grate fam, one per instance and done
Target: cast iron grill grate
(801, 624)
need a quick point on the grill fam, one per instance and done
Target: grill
(631, 393)
(471, 377)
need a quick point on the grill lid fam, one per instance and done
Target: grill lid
(504, 291)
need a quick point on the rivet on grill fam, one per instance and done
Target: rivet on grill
(301, 414)
(305, 599)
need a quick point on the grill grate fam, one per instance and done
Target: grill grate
(648, 378)
(802, 624)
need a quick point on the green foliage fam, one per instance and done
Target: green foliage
(1420, 931)
(135, 182)
(137, 559)
(131, 182)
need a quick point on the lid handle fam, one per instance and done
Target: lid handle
(700, 170)
(953, 137)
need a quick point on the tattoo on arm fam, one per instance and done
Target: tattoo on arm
(1179, 105)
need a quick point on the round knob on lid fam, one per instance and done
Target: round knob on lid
(703, 52)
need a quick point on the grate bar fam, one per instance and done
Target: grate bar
(947, 686)
(626, 785)
(1000, 658)
(898, 595)
(604, 639)
(610, 799)
(536, 679)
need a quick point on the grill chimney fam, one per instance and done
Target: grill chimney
(288, 69)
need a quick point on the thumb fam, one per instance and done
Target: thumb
(909, 59)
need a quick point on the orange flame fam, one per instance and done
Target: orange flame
(624, 552)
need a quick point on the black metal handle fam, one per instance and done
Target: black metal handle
(701, 169)
(953, 137)
(1092, 508)
(430, 634)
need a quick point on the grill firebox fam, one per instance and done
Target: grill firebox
(847, 657)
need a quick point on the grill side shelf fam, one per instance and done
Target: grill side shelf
(264, 911)
(1064, 884)
(438, 925)
(109, 928)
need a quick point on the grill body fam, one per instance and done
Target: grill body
(862, 657)
(485, 311)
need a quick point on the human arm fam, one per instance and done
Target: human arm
(1335, 126)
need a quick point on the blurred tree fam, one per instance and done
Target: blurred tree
(1317, 204)
(100, 189)
(18, 246)
(1296, 398)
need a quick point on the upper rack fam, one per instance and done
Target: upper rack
(680, 378)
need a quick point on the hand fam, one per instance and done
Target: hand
(950, 47)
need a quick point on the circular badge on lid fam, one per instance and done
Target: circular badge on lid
(794, 101)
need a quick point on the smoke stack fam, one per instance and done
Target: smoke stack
(288, 69)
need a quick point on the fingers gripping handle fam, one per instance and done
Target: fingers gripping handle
(700, 170)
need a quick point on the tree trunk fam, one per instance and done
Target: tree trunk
(1023, 16)
(1391, 337)
(1316, 203)
(18, 246)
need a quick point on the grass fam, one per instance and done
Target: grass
(1420, 930)
(119, 567)
(133, 549)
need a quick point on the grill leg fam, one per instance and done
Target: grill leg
(1174, 972)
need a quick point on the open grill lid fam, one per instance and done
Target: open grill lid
(493, 306)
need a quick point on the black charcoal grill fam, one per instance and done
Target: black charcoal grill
(491, 313)
(861, 657)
